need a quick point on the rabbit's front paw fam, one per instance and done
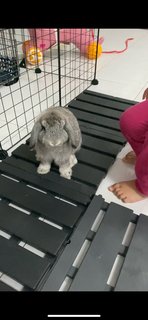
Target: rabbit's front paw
(43, 168)
(65, 173)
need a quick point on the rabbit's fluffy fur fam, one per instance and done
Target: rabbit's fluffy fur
(56, 136)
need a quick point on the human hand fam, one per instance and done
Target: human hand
(145, 94)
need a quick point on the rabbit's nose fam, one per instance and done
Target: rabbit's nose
(55, 144)
(58, 143)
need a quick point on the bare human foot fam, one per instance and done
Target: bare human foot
(126, 191)
(130, 158)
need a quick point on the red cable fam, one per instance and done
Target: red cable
(116, 51)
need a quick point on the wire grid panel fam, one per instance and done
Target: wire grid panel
(52, 70)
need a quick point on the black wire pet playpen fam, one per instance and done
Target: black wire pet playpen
(40, 68)
(51, 227)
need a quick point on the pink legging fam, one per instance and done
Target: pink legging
(134, 126)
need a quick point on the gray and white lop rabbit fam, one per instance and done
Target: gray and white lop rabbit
(56, 136)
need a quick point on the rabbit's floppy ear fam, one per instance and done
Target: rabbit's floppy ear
(74, 135)
(34, 135)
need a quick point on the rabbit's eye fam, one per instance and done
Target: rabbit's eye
(43, 128)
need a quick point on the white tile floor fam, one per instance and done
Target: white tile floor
(122, 75)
